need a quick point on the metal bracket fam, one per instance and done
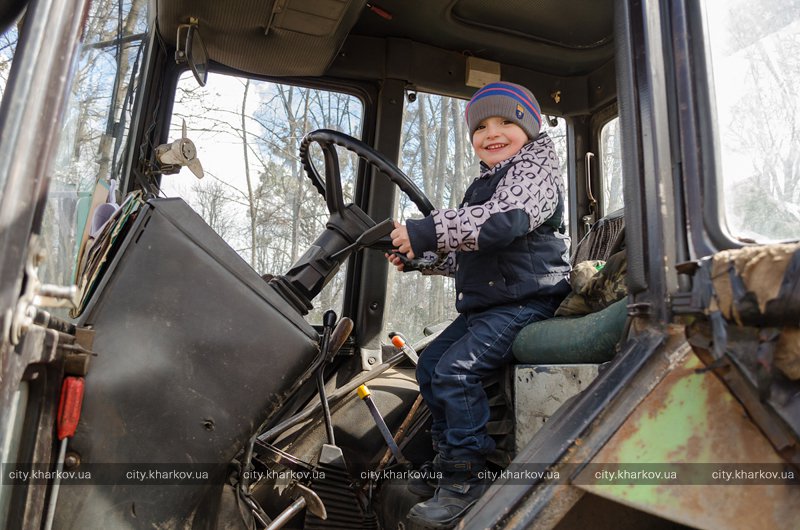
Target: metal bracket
(37, 294)
(373, 357)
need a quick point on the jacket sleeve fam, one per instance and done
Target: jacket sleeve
(525, 198)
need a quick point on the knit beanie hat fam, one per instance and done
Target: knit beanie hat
(506, 100)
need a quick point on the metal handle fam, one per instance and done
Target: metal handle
(589, 220)
(308, 498)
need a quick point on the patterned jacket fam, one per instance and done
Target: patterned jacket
(506, 242)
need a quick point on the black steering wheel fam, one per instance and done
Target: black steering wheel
(348, 228)
(331, 186)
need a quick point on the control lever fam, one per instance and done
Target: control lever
(328, 321)
(69, 414)
(339, 335)
(369, 237)
(399, 342)
(366, 396)
(307, 499)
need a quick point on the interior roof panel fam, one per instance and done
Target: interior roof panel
(568, 23)
(563, 38)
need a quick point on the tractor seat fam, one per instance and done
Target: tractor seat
(559, 357)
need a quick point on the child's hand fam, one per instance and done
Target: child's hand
(395, 261)
(400, 240)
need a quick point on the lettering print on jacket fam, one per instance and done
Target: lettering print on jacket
(530, 187)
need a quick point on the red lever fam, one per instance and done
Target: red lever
(69, 408)
(379, 11)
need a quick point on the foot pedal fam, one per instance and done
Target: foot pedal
(335, 488)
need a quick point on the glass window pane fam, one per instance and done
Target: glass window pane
(8, 44)
(436, 152)
(611, 167)
(93, 131)
(255, 193)
(556, 128)
(755, 56)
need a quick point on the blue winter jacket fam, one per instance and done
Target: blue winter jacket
(506, 242)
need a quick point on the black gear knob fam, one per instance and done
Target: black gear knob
(329, 318)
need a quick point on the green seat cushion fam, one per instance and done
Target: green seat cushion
(572, 340)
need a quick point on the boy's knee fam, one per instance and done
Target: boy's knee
(446, 371)
(424, 374)
(448, 376)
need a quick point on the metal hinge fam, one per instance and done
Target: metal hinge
(639, 309)
(37, 294)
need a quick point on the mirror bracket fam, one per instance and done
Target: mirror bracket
(190, 49)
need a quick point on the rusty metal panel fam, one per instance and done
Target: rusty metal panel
(691, 420)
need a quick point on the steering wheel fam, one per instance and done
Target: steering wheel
(348, 227)
(331, 186)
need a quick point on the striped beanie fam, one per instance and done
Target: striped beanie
(506, 100)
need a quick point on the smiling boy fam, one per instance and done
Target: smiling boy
(506, 245)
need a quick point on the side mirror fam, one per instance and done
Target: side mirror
(192, 50)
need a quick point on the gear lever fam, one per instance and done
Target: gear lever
(328, 322)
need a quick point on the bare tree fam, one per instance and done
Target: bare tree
(127, 25)
(765, 199)
(213, 199)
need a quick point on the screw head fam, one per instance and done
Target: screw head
(72, 460)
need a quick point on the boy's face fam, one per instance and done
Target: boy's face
(497, 139)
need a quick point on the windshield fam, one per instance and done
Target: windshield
(254, 192)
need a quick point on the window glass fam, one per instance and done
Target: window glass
(755, 59)
(93, 130)
(8, 43)
(255, 193)
(436, 152)
(556, 128)
(611, 167)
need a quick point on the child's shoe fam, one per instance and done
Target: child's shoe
(459, 489)
(423, 483)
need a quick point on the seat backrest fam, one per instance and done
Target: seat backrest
(600, 242)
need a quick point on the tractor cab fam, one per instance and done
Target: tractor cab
(199, 326)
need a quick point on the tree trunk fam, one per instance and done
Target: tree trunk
(105, 150)
(251, 200)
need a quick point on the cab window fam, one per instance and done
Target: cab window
(436, 152)
(254, 192)
(754, 47)
(93, 133)
(8, 43)
(611, 167)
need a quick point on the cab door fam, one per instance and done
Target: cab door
(34, 116)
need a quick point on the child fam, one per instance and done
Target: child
(507, 248)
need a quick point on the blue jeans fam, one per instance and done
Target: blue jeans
(451, 368)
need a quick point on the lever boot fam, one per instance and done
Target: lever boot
(460, 487)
